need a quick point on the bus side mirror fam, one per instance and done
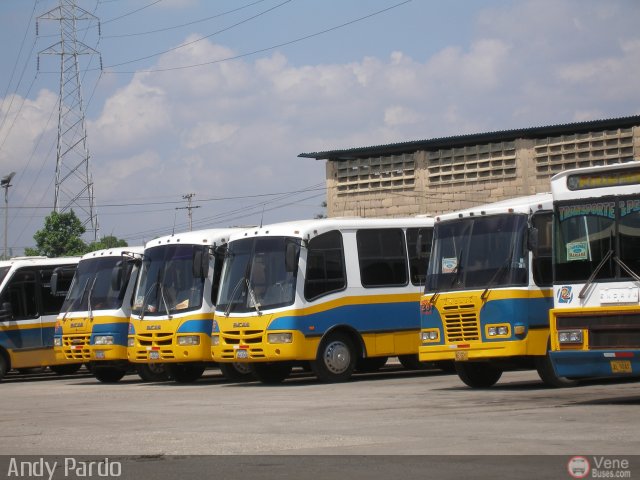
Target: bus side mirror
(60, 280)
(291, 257)
(200, 263)
(6, 311)
(117, 276)
(532, 240)
(53, 284)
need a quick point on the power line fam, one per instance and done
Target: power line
(202, 38)
(165, 29)
(262, 50)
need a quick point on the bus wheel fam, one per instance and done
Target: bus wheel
(336, 359)
(152, 372)
(370, 364)
(186, 373)
(237, 372)
(108, 375)
(271, 373)
(477, 374)
(3, 366)
(411, 362)
(65, 369)
(548, 374)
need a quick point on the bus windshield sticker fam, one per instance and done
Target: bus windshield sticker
(449, 264)
(577, 251)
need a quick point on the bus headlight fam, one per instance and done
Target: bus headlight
(498, 331)
(570, 336)
(215, 340)
(57, 341)
(429, 335)
(103, 340)
(189, 340)
(280, 338)
(131, 342)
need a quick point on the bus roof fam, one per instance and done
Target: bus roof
(112, 252)
(314, 227)
(527, 204)
(197, 237)
(591, 182)
(38, 261)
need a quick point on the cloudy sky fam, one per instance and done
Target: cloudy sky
(218, 97)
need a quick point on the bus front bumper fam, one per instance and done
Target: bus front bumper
(601, 363)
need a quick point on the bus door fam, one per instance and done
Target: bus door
(20, 312)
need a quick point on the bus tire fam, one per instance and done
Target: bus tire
(548, 374)
(108, 374)
(370, 364)
(69, 369)
(186, 373)
(336, 359)
(152, 372)
(412, 362)
(271, 373)
(478, 374)
(237, 372)
(4, 366)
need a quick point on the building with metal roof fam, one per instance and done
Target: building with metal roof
(451, 173)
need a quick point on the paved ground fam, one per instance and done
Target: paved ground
(391, 412)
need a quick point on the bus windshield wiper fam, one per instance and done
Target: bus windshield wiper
(89, 309)
(436, 293)
(496, 275)
(595, 272)
(627, 269)
(252, 294)
(72, 302)
(232, 297)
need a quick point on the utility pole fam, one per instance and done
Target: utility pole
(74, 183)
(6, 183)
(189, 207)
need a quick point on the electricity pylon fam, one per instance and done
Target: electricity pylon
(74, 183)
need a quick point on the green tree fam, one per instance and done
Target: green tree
(108, 241)
(60, 236)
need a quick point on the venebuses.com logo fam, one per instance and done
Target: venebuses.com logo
(598, 467)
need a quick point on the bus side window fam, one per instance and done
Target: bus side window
(21, 294)
(51, 304)
(325, 266)
(419, 247)
(382, 256)
(542, 273)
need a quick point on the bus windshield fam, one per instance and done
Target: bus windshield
(91, 288)
(588, 233)
(478, 252)
(254, 275)
(167, 282)
(3, 272)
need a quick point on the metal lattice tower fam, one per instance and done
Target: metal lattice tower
(74, 184)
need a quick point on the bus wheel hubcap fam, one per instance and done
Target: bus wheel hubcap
(337, 357)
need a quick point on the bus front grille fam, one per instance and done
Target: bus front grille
(76, 347)
(461, 325)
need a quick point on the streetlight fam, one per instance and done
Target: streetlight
(6, 183)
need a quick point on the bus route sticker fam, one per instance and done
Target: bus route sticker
(578, 467)
(577, 251)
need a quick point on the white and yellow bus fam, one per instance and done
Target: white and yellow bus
(334, 295)
(93, 324)
(595, 322)
(28, 310)
(174, 300)
(488, 291)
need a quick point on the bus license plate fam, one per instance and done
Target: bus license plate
(620, 366)
(462, 356)
(154, 355)
(242, 354)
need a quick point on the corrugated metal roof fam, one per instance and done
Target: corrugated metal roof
(474, 139)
